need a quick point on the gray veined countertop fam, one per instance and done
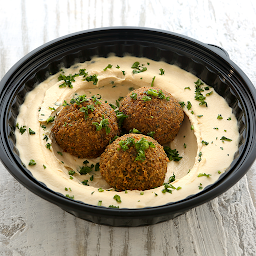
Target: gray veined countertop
(226, 225)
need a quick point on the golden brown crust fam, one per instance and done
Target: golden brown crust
(121, 171)
(164, 117)
(77, 135)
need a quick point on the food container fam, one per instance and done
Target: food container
(208, 62)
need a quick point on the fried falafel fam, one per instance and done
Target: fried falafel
(85, 127)
(134, 162)
(153, 112)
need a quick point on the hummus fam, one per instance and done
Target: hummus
(207, 140)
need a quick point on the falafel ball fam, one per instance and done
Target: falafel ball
(134, 162)
(153, 112)
(85, 127)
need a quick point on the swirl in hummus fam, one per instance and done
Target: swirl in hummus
(207, 140)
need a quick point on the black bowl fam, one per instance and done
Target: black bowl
(209, 63)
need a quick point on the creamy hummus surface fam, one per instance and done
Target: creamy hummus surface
(207, 140)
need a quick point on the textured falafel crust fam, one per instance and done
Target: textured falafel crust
(77, 135)
(122, 172)
(161, 116)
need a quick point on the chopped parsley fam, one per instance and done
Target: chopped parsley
(153, 80)
(32, 162)
(205, 142)
(117, 198)
(92, 78)
(113, 206)
(172, 154)
(102, 124)
(120, 117)
(140, 146)
(223, 138)
(99, 202)
(86, 110)
(22, 129)
(209, 93)
(44, 166)
(100, 189)
(198, 93)
(133, 96)
(200, 156)
(137, 68)
(161, 72)
(108, 66)
(82, 72)
(189, 105)
(48, 145)
(204, 174)
(146, 98)
(85, 182)
(79, 99)
(134, 130)
(67, 80)
(50, 119)
(172, 178)
(71, 172)
(200, 186)
(187, 88)
(68, 196)
(219, 117)
(182, 104)
(31, 132)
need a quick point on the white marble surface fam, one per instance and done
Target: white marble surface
(226, 225)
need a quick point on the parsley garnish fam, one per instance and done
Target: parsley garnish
(48, 145)
(108, 66)
(140, 146)
(204, 174)
(113, 206)
(92, 78)
(161, 71)
(79, 99)
(134, 130)
(198, 93)
(68, 196)
(117, 198)
(146, 98)
(200, 156)
(219, 117)
(172, 154)
(32, 162)
(182, 104)
(50, 119)
(133, 96)
(189, 105)
(205, 142)
(137, 68)
(223, 138)
(103, 124)
(86, 110)
(67, 80)
(153, 80)
(172, 178)
(120, 117)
